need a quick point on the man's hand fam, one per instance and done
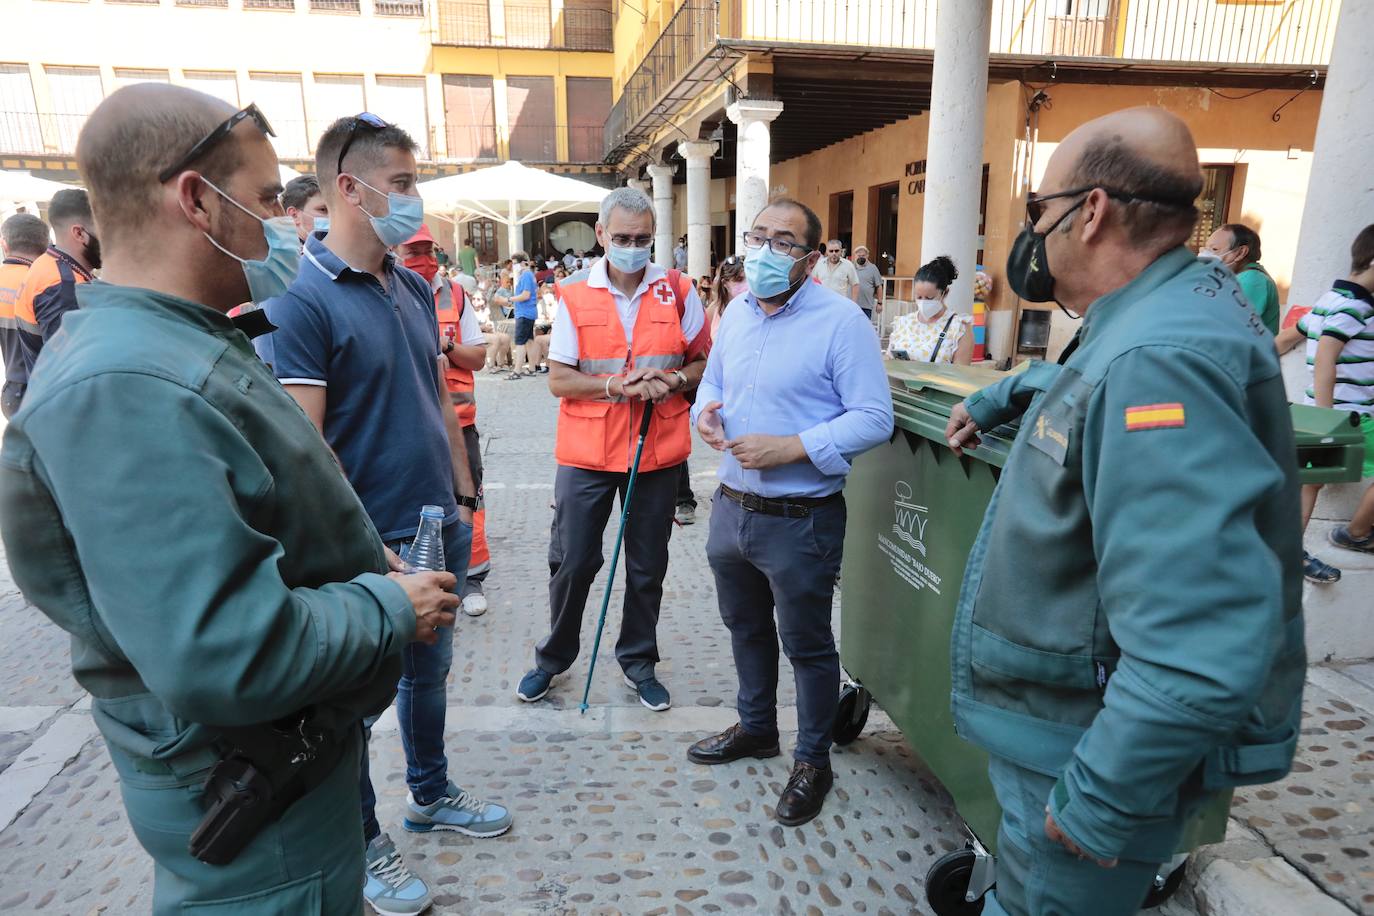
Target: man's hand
(961, 432)
(394, 562)
(647, 385)
(710, 427)
(878, 307)
(433, 603)
(1057, 836)
(757, 451)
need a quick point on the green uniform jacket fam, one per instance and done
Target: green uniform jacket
(1131, 613)
(166, 502)
(1262, 292)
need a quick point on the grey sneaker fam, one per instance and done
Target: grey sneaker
(457, 811)
(686, 514)
(388, 885)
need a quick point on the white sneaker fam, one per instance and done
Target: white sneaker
(475, 605)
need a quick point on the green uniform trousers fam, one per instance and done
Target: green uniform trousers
(1037, 877)
(310, 861)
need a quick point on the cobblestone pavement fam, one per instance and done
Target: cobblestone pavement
(610, 816)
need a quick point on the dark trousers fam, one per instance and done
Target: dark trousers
(583, 501)
(765, 564)
(13, 394)
(685, 496)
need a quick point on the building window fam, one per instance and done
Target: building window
(222, 84)
(589, 104)
(464, 22)
(269, 4)
(587, 25)
(530, 110)
(529, 24)
(470, 117)
(20, 130)
(411, 8)
(1213, 202)
(401, 100)
(883, 201)
(210, 3)
(127, 76)
(333, 96)
(841, 224)
(482, 234)
(75, 91)
(335, 6)
(280, 98)
(137, 2)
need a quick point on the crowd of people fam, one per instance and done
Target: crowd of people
(280, 382)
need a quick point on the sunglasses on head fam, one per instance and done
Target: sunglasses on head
(208, 142)
(1035, 203)
(365, 119)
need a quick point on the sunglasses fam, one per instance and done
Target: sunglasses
(208, 142)
(1035, 203)
(365, 119)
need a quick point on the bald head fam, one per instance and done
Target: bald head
(1147, 154)
(136, 133)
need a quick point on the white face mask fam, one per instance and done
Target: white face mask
(929, 308)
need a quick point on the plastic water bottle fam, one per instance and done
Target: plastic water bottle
(426, 552)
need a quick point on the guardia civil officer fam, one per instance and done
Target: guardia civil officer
(164, 501)
(1129, 635)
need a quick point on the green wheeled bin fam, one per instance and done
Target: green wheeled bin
(914, 511)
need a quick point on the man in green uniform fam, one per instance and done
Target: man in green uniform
(167, 503)
(1129, 634)
(1237, 246)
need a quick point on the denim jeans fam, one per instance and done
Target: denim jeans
(420, 700)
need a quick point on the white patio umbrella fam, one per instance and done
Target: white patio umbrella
(287, 173)
(18, 187)
(510, 193)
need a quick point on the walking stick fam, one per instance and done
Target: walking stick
(619, 538)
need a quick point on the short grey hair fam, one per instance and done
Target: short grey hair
(631, 200)
(835, 242)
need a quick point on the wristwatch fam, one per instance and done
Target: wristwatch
(681, 378)
(467, 502)
(448, 346)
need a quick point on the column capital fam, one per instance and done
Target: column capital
(764, 110)
(639, 184)
(696, 149)
(659, 172)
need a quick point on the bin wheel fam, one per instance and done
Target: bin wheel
(947, 883)
(1164, 887)
(852, 715)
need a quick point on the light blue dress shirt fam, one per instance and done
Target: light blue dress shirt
(811, 369)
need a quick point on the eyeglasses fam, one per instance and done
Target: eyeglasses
(757, 240)
(364, 119)
(632, 241)
(215, 136)
(1035, 203)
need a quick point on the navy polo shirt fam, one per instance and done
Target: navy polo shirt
(374, 350)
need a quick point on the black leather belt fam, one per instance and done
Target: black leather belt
(792, 507)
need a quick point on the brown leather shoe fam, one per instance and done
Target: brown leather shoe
(732, 744)
(804, 795)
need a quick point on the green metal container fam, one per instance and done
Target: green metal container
(914, 512)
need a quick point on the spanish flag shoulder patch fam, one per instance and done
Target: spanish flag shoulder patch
(1154, 416)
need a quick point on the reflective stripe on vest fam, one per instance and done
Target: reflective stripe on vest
(599, 435)
(460, 382)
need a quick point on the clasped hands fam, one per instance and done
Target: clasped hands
(647, 385)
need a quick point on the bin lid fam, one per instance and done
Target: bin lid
(938, 386)
(1324, 426)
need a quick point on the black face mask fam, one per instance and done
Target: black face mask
(862, 261)
(91, 251)
(1028, 264)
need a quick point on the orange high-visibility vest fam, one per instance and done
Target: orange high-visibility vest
(11, 281)
(600, 435)
(461, 385)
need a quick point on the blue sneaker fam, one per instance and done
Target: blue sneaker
(1340, 536)
(388, 885)
(457, 811)
(534, 685)
(1314, 570)
(651, 693)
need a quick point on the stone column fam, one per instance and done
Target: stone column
(698, 154)
(751, 160)
(1337, 207)
(639, 184)
(954, 151)
(663, 214)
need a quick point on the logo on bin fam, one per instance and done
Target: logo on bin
(910, 520)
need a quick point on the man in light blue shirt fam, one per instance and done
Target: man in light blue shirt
(794, 390)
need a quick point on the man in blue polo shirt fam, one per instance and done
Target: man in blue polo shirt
(526, 300)
(358, 347)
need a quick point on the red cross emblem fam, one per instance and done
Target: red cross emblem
(663, 292)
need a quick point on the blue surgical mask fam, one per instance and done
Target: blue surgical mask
(629, 260)
(321, 225)
(768, 273)
(272, 275)
(404, 216)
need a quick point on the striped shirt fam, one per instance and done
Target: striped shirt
(1345, 312)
